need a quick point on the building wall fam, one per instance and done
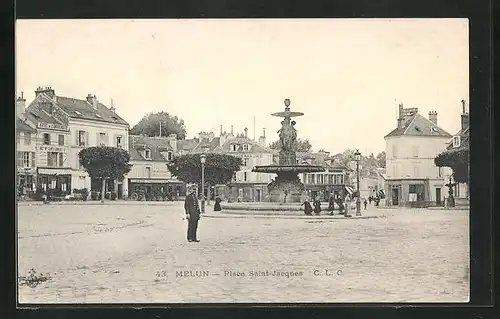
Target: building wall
(80, 178)
(157, 169)
(413, 157)
(43, 149)
(250, 160)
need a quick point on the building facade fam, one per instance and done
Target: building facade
(26, 157)
(461, 140)
(64, 127)
(149, 176)
(412, 178)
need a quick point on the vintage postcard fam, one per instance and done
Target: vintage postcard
(242, 161)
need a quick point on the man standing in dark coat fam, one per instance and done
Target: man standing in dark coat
(192, 215)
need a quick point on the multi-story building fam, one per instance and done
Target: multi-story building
(245, 185)
(458, 141)
(412, 177)
(149, 174)
(66, 126)
(26, 153)
(333, 181)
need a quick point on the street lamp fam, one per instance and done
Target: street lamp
(357, 158)
(203, 158)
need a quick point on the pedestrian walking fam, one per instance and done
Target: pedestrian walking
(317, 206)
(217, 207)
(347, 205)
(370, 198)
(307, 207)
(192, 209)
(365, 203)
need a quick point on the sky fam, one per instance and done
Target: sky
(347, 75)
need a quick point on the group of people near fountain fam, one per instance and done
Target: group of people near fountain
(344, 205)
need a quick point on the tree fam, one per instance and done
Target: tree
(458, 161)
(105, 162)
(219, 168)
(149, 125)
(299, 146)
(381, 158)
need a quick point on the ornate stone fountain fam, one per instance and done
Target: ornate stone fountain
(287, 187)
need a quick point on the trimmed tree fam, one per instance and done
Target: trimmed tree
(299, 146)
(458, 161)
(105, 162)
(219, 168)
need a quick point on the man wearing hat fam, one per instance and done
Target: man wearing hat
(192, 214)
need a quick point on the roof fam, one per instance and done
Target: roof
(39, 115)
(417, 125)
(22, 126)
(255, 147)
(81, 109)
(464, 139)
(187, 145)
(156, 145)
(206, 145)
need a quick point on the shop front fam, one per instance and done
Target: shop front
(145, 188)
(53, 183)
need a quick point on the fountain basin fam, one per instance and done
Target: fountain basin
(288, 168)
(267, 207)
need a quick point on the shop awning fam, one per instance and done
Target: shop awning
(55, 170)
(154, 181)
(349, 190)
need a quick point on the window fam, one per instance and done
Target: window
(394, 151)
(82, 138)
(456, 141)
(338, 179)
(415, 151)
(415, 171)
(46, 138)
(169, 156)
(320, 179)
(61, 159)
(245, 176)
(245, 147)
(102, 139)
(119, 141)
(53, 158)
(440, 171)
(245, 162)
(23, 159)
(416, 192)
(147, 154)
(33, 159)
(148, 172)
(61, 140)
(27, 138)
(234, 147)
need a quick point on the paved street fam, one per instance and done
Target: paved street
(136, 253)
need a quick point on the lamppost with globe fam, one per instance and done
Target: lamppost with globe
(357, 158)
(203, 158)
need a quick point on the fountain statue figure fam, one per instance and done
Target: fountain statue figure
(287, 187)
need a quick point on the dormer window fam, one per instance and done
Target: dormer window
(456, 141)
(434, 129)
(246, 147)
(97, 115)
(78, 113)
(147, 154)
(234, 147)
(169, 156)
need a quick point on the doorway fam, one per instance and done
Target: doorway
(258, 195)
(438, 196)
(120, 191)
(395, 196)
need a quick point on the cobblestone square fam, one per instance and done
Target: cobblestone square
(116, 253)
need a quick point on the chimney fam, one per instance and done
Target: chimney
(47, 90)
(262, 139)
(172, 140)
(220, 130)
(92, 100)
(112, 108)
(246, 132)
(20, 105)
(464, 117)
(232, 133)
(400, 115)
(433, 117)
